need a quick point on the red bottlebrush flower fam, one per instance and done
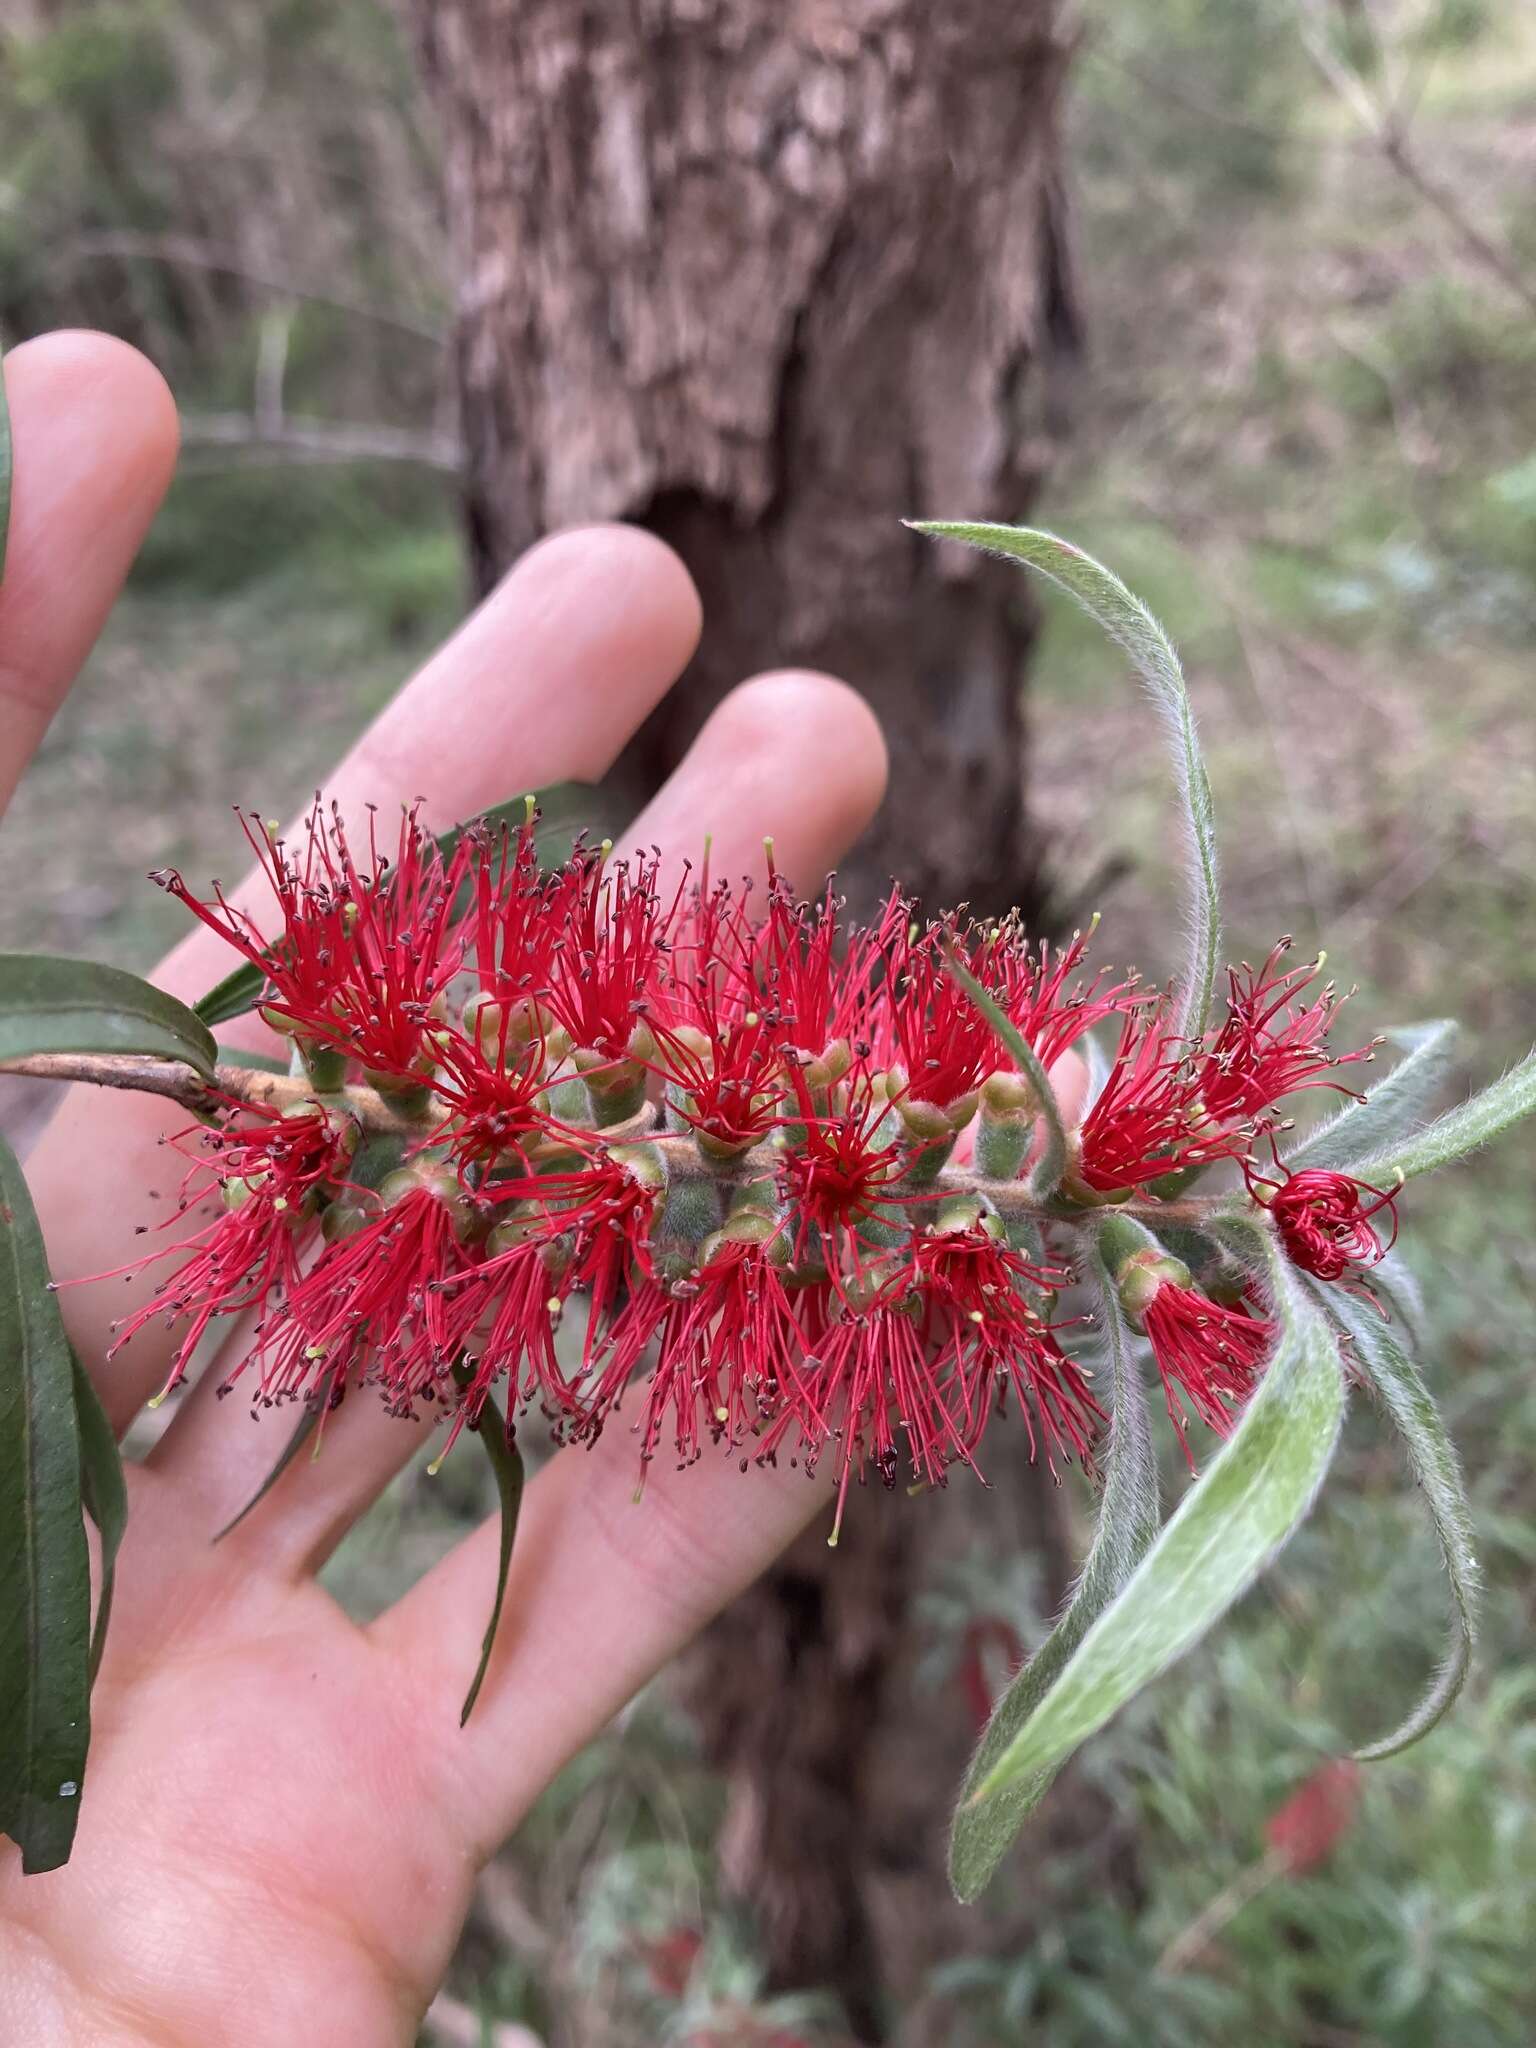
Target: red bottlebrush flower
(491, 1105)
(271, 1168)
(508, 1309)
(727, 1343)
(980, 1303)
(874, 1385)
(1038, 993)
(610, 931)
(811, 977)
(728, 1076)
(1304, 1832)
(1208, 1357)
(1149, 1118)
(838, 1178)
(365, 953)
(608, 1210)
(1270, 1044)
(1324, 1218)
(512, 926)
(928, 1023)
(378, 1307)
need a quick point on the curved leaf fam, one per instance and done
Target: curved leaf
(1437, 1471)
(53, 1005)
(1229, 1525)
(1045, 1177)
(1471, 1125)
(507, 1466)
(1132, 627)
(255, 1062)
(567, 811)
(45, 1587)
(235, 996)
(104, 1492)
(1393, 1109)
(1128, 1514)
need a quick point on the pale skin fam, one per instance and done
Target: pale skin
(282, 1820)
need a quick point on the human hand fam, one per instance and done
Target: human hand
(283, 1820)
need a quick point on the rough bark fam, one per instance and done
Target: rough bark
(766, 275)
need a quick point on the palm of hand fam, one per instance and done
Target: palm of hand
(282, 1820)
(275, 1849)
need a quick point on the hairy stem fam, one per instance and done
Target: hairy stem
(376, 1114)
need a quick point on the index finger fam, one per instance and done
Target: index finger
(94, 439)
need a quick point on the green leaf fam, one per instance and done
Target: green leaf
(1132, 627)
(1045, 1177)
(304, 1429)
(5, 470)
(45, 1587)
(1437, 1472)
(257, 1062)
(1128, 1516)
(566, 809)
(1224, 1532)
(1468, 1127)
(235, 996)
(1393, 1109)
(52, 1005)
(104, 1492)
(507, 1465)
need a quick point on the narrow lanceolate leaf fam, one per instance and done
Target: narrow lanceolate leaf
(235, 996)
(1132, 627)
(1045, 1177)
(104, 1492)
(45, 1585)
(1468, 1127)
(507, 1465)
(566, 811)
(256, 1062)
(1128, 1514)
(1229, 1525)
(52, 1005)
(1435, 1467)
(1391, 1111)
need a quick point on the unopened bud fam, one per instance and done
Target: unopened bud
(645, 1163)
(1011, 1095)
(749, 1226)
(1142, 1274)
(344, 1219)
(426, 1177)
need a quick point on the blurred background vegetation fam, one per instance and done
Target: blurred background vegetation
(1305, 431)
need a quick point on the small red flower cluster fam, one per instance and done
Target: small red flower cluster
(728, 1123)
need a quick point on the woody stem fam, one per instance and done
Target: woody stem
(376, 1114)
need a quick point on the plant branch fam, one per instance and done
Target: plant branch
(376, 1114)
(177, 1082)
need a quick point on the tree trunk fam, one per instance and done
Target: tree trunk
(766, 275)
